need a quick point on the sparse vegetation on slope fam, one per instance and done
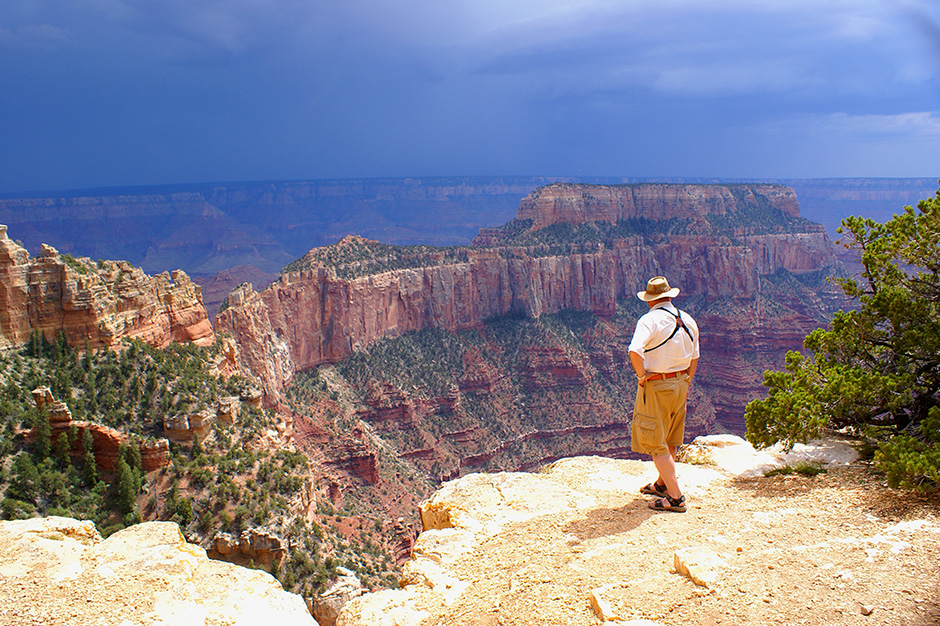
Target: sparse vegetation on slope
(353, 257)
(233, 480)
(509, 395)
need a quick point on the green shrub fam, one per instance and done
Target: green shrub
(876, 371)
(804, 468)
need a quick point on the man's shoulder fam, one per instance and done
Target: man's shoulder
(669, 312)
(650, 316)
(663, 310)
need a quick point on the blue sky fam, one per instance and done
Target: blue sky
(128, 92)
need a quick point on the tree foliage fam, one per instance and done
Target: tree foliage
(876, 370)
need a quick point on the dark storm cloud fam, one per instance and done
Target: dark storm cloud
(143, 91)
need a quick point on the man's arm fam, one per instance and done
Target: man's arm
(692, 367)
(636, 360)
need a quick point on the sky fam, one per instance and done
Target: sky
(137, 92)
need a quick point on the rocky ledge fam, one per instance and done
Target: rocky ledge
(576, 544)
(57, 570)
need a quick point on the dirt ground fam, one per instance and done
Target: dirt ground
(838, 548)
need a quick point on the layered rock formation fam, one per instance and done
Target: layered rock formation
(197, 425)
(60, 571)
(752, 269)
(98, 303)
(580, 204)
(254, 545)
(326, 606)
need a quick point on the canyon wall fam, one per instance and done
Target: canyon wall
(755, 286)
(578, 203)
(223, 234)
(324, 319)
(98, 303)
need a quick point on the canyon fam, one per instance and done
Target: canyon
(524, 331)
(393, 368)
(752, 271)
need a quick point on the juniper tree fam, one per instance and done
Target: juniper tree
(876, 370)
(89, 465)
(43, 434)
(127, 486)
(62, 448)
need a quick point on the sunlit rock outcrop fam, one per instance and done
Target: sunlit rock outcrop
(57, 568)
(100, 303)
(576, 543)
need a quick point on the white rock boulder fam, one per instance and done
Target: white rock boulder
(57, 567)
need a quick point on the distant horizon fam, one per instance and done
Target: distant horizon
(143, 187)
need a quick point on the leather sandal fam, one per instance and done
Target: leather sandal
(654, 489)
(668, 503)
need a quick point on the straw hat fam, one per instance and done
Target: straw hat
(656, 288)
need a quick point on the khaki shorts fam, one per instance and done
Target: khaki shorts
(659, 416)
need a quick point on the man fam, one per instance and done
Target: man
(664, 353)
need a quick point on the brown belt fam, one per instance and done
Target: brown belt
(666, 375)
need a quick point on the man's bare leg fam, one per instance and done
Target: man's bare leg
(673, 452)
(666, 466)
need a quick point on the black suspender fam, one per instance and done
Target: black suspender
(679, 324)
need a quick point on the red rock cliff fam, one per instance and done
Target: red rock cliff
(100, 303)
(578, 203)
(322, 318)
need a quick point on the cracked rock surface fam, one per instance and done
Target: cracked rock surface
(577, 544)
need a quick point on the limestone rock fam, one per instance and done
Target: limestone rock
(253, 546)
(577, 543)
(327, 605)
(603, 607)
(53, 544)
(198, 424)
(143, 574)
(227, 411)
(484, 503)
(700, 565)
(385, 608)
(59, 413)
(189, 426)
(252, 397)
(739, 457)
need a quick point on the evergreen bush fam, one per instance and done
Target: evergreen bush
(876, 371)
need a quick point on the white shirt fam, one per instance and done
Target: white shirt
(652, 329)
